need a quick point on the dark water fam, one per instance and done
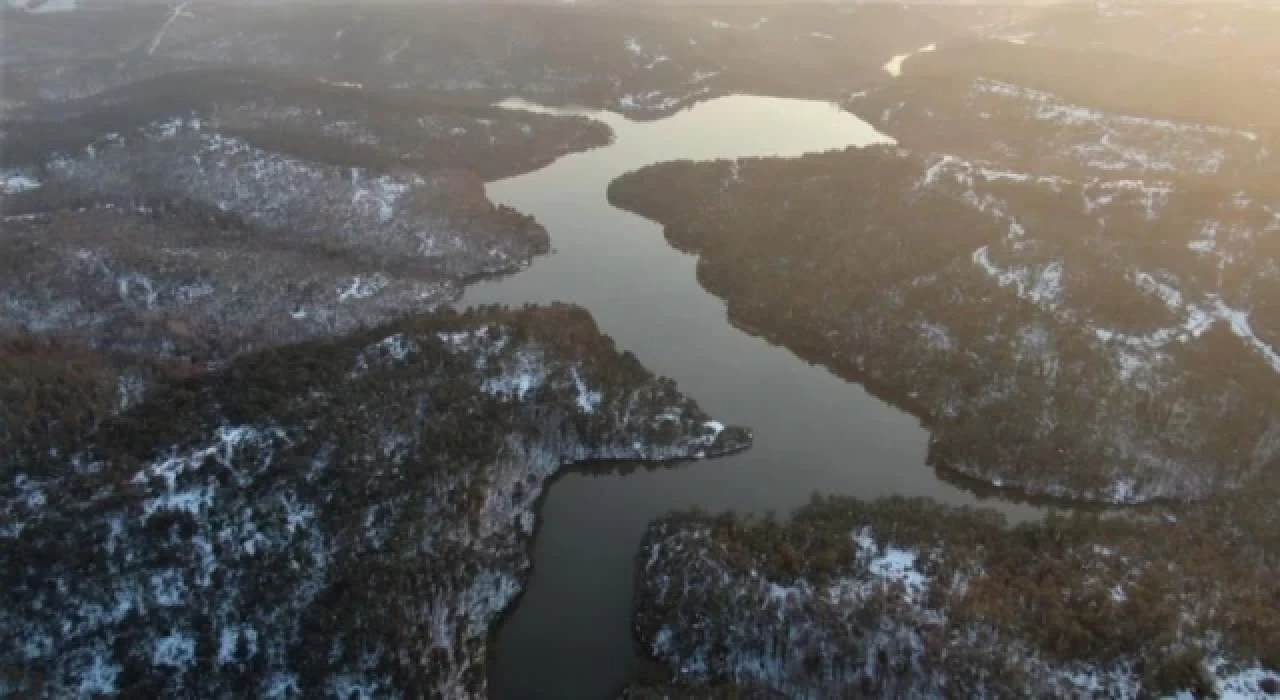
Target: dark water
(569, 637)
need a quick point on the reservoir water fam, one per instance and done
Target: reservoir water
(569, 635)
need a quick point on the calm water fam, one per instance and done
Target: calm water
(569, 637)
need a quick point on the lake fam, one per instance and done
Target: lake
(569, 636)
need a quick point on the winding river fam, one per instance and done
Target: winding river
(569, 636)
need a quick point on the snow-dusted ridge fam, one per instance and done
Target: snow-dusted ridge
(981, 118)
(252, 245)
(1042, 285)
(220, 540)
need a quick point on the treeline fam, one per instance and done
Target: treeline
(298, 115)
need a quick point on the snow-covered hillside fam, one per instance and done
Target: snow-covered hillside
(321, 520)
(912, 600)
(261, 215)
(1090, 338)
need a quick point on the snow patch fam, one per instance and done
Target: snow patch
(935, 334)
(382, 193)
(175, 649)
(894, 65)
(529, 372)
(1040, 286)
(36, 7)
(12, 182)
(891, 564)
(1208, 239)
(588, 400)
(197, 498)
(341, 84)
(99, 678)
(1241, 682)
(351, 686)
(1168, 294)
(655, 101)
(1198, 320)
(280, 686)
(363, 287)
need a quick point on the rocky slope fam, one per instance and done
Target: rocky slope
(327, 519)
(910, 599)
(1107, 340)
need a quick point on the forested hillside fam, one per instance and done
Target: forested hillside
(1060, 337)
(322, 519)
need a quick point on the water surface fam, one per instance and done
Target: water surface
(569, 636)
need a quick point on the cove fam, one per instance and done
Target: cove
(569, 635)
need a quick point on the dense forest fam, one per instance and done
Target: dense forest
(1059, 337)
(1117, 81)
(210, 213)
(313, 519)
(904, 598)
(247, 450)
(967, 111)
(1233, 37)
(298, 115)
(1072, 282)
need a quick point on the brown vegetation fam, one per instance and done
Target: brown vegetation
(1154, 604)
(350, 510)
(999, 306)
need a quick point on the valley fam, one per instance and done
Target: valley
(382, 350)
